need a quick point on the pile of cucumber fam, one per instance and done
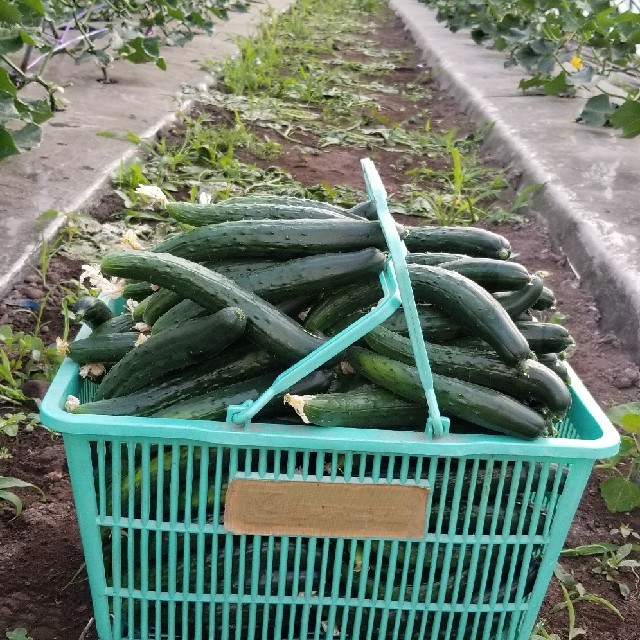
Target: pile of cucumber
(254, 284)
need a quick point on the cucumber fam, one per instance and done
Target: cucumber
(136, 290)
(159, 303)
(366, 209)
(436, 327)
(199, 215)
(547, 300)
(269, 328)
(471, 307)
(140, 308)
(492, 275)
(173, 349)
(343, 302)
(545, 337)
(105, 348)
(233, 365)
(558, 366)
(92, 311)
(118, 324)
(433, 258)
(535, 381)
(280, 238)
(475, 404)
(374, 408)
(517, 302)
(467, 240)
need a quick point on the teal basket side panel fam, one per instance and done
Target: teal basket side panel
(161, 563)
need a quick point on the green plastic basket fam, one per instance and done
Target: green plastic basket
(150, 497)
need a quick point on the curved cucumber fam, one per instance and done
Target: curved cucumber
(483, 368)
(233, 365)
(136, 290)
(517, 302)
(280, 238)
(269, 328)
(199, 215)
(159, 303)
(475, 404)
(140, 308)
(467, 240)
(92, 311)
(471, 307)
(547, 300)
(545, 337)
(118, 324)
(433, 258)
(373, 408)
(492, 275)
(181, 347)
(556, 365)
(342, 303)
(213, 405)
(435, 326)
(106, 348)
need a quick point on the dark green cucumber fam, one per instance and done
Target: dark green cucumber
(366, 209)
(436, 327)
(233, 365)
(433, 258)
(471, 307)
(159, 303)
(137, 290)
(199, 215)
(374, 408)
(492, 275)
(558, 366)
(545, 337)
(119, 324)
(105, 348)
(270, 198)
(467, 240)
(213, 405)
(269, 328)
(279, 238)
(535, 381)
(184, 346)
(335, 306)
(184, 310)
(92, 311)
(547, 300)
(139, 309)
(475, 404)
(517, 302)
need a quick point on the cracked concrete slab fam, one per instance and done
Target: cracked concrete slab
(590, 175)
(73, 163)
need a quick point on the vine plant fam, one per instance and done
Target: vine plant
(564, 45)
(33, 32)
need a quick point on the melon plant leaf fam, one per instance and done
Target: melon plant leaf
(627, 118)
(597, 110)
(620, 494)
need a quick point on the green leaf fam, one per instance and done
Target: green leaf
(627, 118)
(5, 82)
(10, 42)
(49, 214)
(631, 422)
(557, 85)
(597, 110)
(8, 109)
(28, 137)
(9, 13)
(35, 5)
(18, 634)
(616, 413)
(13, 499)
(620, 494)
(595, 549)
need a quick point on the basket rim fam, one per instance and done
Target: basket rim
(339, 439)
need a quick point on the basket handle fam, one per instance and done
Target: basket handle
(396, 288)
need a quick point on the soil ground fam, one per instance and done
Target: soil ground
(43, 585)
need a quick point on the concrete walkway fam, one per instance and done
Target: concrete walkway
(73, 163)
(591, 175)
